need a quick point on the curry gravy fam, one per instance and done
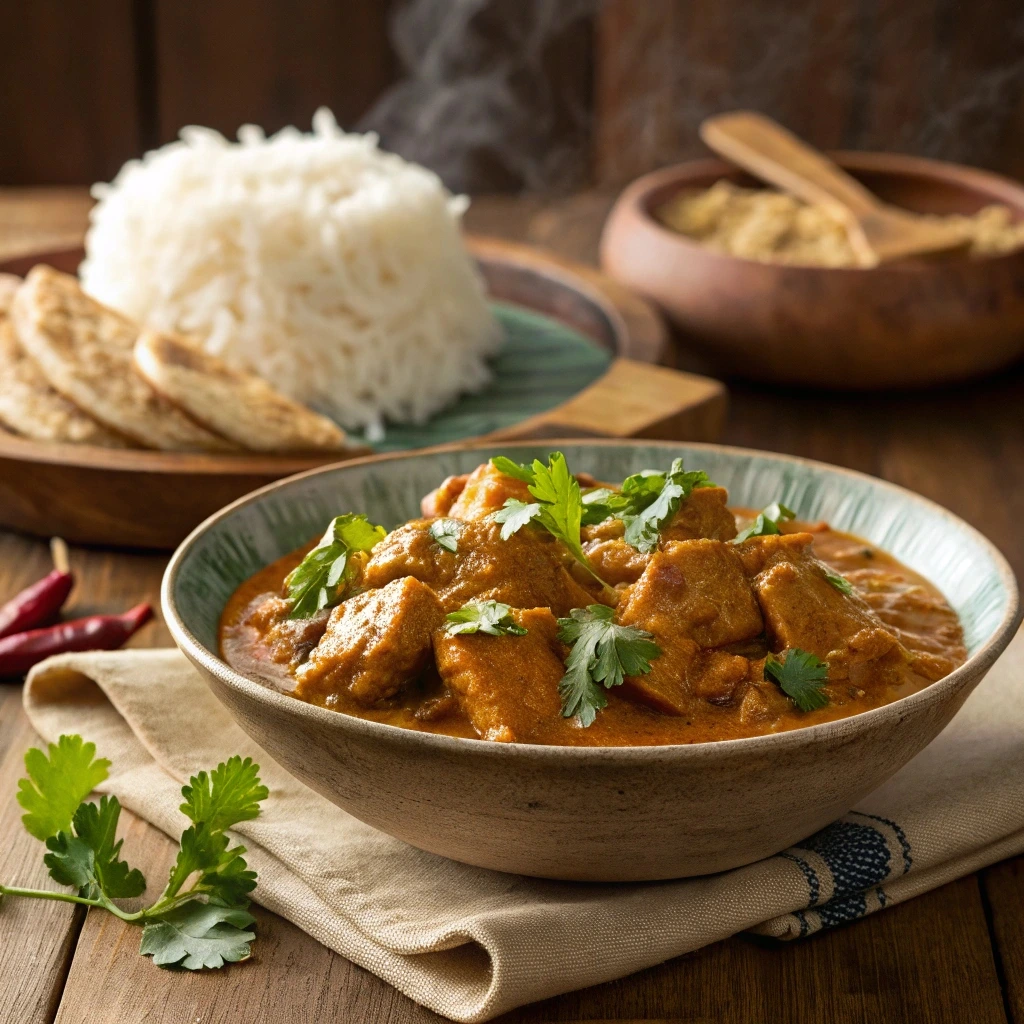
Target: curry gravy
(906, 603)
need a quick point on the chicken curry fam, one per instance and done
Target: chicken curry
(531, 605)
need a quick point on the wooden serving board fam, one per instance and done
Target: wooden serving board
(151, 499)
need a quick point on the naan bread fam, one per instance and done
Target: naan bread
(29, 407)
(84, 351)
(237, 405)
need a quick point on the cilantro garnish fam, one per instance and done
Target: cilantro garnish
(491, 617)
(513, 469)
(766, 523)
(657, 497)
(841, 583)
(203, 924)
(801, 676)
(558, 508)
(603, 654)
(601, 503)
(320, 578)
(446, 534)
(645, 503)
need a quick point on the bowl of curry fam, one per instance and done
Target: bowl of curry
(594, 661)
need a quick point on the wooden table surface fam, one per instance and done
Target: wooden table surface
(955, 954)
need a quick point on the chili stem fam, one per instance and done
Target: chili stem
(59, 554)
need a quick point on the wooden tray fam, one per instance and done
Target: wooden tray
(152, 499)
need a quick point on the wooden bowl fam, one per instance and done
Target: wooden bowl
(152, 499)
(906, 324)
(590, 814)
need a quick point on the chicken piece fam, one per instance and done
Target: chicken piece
(692, 596)
(507, 685)
(440, 500)
(287, 641)
(486, 490)
(524, 571)
(375, 642)
(803, 609)
(613, 559)
(696, 589)
(703, 514)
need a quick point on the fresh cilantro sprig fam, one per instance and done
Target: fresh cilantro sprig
(558, 508)
(841, 583)
(645, 503)
(766, 523)
(603, 654)
(657, 497)
(320, 578)
(491, 617)
(801, 676)
(446, 533)
(200, 919)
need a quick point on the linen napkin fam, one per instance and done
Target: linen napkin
(471, 944)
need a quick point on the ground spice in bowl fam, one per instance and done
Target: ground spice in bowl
(772, 227)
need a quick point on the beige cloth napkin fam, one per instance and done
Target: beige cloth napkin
(470, 943)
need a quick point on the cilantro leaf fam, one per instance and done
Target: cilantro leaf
(318, 581)
(491, 617)
(446, 534)
(197, 935)
(57, 784)
(559, 506)
(514, 515)
(656, 498)
(229, 794)
(603, 654)
(215, 801)
(90, 859)
(224, 875)
(645, 503)
(841, 583)
(766, 523)
(513, 469)
(800, 676)
(601, 503)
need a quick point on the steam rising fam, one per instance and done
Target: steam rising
(497, 93)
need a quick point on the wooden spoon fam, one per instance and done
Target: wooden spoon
(877, 231)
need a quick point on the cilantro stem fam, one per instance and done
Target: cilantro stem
(68, 897)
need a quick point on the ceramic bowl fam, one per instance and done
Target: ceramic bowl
(609, 813)
(906, 324)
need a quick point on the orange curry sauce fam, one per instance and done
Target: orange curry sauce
(715, 608)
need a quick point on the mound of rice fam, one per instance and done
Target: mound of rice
(330, 268)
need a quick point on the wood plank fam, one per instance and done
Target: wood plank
(923, 962)
(290, 977)
(930, 77)
(68, 102)
(272, 63)
(1003, 888)
(37, 937)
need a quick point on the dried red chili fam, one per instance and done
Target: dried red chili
(40, 602)
(20, 651)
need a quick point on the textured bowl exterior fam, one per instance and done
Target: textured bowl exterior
(591, 814)
(906, 324)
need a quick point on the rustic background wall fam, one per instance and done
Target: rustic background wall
(505, 95)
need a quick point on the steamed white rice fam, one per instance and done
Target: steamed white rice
(330, 268)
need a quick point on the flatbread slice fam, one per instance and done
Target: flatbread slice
(237, 405)
(29, 407)
(84, 351)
